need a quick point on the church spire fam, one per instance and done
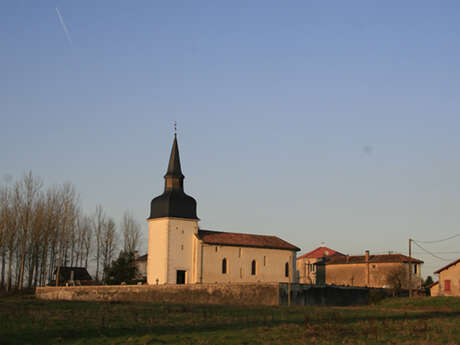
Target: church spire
(174, 179)
(174, 169)
(173, 202)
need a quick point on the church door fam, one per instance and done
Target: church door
(180, 277)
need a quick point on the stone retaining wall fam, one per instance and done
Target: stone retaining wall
(239, 294)
(268, 294)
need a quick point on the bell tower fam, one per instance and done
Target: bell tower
(173, 224)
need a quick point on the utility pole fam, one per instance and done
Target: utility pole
(289, 282)
(410, 267)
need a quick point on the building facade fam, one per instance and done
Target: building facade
(378, 271)
(449, 280)
(308, 270)
(179, 252)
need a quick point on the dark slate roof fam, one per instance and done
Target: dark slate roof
(359, 259)
(142, 257)
(244, 240)
(319, 253)
(447, 266)
(173, 202)
(80, 273)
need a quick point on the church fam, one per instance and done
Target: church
(179, 252)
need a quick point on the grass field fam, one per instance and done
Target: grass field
(25, 320)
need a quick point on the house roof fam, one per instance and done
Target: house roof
(244, 240)
(447, 266)
(79, 273)
(142, 257)
(359, 259)
(319, 253)
(432, 284)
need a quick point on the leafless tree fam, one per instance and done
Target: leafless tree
(98, 226)
(131, 231)
(26, 191)
(109, 239)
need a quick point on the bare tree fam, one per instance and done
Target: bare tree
(99, 222)
(87, 238)
(67, 224)
(26, 191)
(109, 239)
(131, 231)
(3, 221)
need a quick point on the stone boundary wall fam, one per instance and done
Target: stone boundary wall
(323, 295)
(268, 294)
(231, 293)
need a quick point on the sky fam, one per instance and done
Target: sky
(324, 123)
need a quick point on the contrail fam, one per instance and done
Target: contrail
(64, 27)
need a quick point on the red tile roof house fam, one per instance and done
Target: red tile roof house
(378, 271)
(307, 272)
(449, 280)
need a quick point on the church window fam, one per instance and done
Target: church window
(286, 269)
(239, 252)
(216, 249)
(253, 267)
(181, 247)
(265, 260)
(415, 268)
(224, 266)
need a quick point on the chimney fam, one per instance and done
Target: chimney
(367, 256)
(347, 257)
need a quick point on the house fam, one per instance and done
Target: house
(378, 271)
(72, 276)
(434, 289)
(449, 279)
(179, 252)
(141, 266)
(306, 264)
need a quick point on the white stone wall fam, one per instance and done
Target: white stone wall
(270, 264)
(170, 248)
(180, 248)
(157, 251)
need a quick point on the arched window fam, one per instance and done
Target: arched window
(253, 267)
(286, 269)
(224, 266)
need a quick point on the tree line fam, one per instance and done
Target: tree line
(43, 229)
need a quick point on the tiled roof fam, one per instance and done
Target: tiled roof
(80, 273)
(244, 240)
(359, 259)
(319, 253)
(447, 266)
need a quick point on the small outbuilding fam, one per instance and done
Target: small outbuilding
(69, 275)
(449, 279)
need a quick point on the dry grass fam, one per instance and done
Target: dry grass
(24, 320)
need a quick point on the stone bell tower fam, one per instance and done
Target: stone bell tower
(173, 225)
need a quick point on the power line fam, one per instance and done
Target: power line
(432, 254)
(444, 239)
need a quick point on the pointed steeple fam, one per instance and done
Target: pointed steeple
(173, 202)
(174, 179)
(174, 169)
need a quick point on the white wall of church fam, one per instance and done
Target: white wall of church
(170, 248)
(270, 264)
(180, 248)
(157, 251)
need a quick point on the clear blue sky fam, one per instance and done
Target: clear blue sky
(333, 122)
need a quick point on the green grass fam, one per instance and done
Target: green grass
(25, 320)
